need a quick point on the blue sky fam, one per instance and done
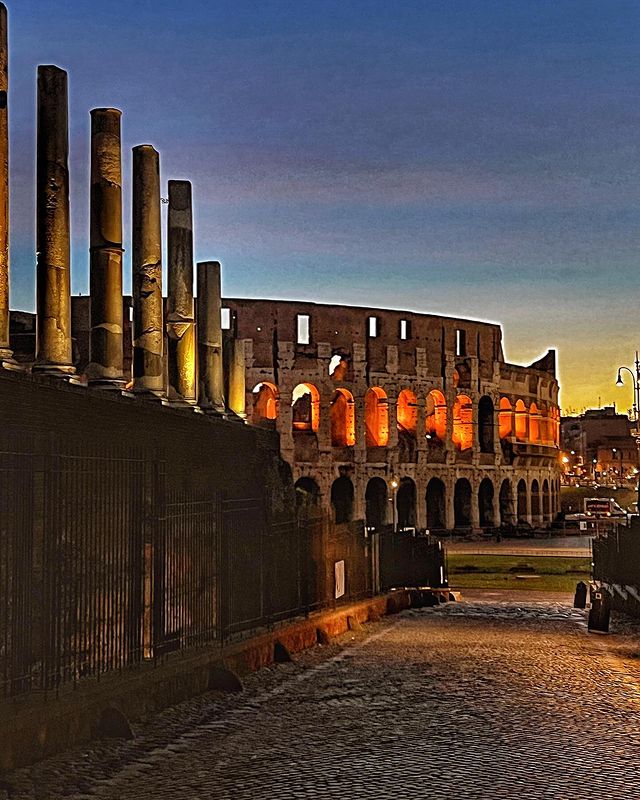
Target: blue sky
(472, 158)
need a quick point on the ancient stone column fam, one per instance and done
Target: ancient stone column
(146, 259)
(5, 349)
(237, 374)
(181, 334)
(106, 250)
(53, 303)
(210, 363)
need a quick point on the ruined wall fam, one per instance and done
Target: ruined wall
(440, 382)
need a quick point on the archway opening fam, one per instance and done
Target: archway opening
(521, 421)
(522, 501)
(534, 424)
(462, 435)
(376, 412)
(535, 500)
(406, 504)
(436, 504)
(407, 412)
(485, 424)
(485, 503)
(342, 499)
(505, 418)
(376, 498)
(462, 503)
(265, 402)
(507, 517)
(436, 416)
(307, 494)
(305, 402)
(343, 419)
(546, 500)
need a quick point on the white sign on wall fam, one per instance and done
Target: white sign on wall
(339, 573)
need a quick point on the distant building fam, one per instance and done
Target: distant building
(598, 446)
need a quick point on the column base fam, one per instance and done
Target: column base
(65, 372)
(210, 411)
(149, 396)
(7, 361)
(107, 385)
(182, 405)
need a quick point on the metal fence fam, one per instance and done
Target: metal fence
(107, 560)
(411, 561)
(616, 556)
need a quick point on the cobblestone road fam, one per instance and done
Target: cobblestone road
(472, 700)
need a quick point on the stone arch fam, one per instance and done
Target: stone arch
(343, 419)
(342, 499)
(485, 503)
(522, 501)
(486, 424)
(305, 402)
(462, 503)
(407, 412)
(436, 416)
(307, 493)
(546, 501)
(507, 516)
(376, 414)
(462, 435)
(534, 424)
(376, 502)
(521, 421)
(535, 501)
(435, 498)
(265, 402)
(505, 418)
(406, 503)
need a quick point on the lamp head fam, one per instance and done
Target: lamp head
(619, 381)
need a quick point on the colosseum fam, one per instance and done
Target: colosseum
(402, 418)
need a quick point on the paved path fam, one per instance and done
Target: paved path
(481, 699)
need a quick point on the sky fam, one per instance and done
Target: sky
(476, 158)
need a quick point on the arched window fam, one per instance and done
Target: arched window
(534, 424)
(546, 500)
(505, 418)
(507, 516)
(265, 402)
(462, 503)
(307, 493)
(522, 501)
(485, 424)
(435, 498)
(406, 504)
(535, 500)
(436, 416)
(462, 435)
(376, 412)
(376, 500)
(342, 498)
(522, 428)
(485, 503)
(407, 412)
(343, 419)
(305, 402)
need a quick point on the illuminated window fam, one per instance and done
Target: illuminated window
(462, 435)
(303, 329)
(305, 401)
(436, 416)
(461, 342)
(265, 402)
(405, 329)
(373, 327)
(376, 411)
(505, 418)
(225, 319)
(534, 423)
(343, 419)
(522, 426)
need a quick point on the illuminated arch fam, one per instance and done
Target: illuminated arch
(305, 402)
(343, 419)
(376, 414)
(521, 422)
(505, 418)
(265, 402)
(534, 424)
(436, 415)
(462, 435)
(407, 412)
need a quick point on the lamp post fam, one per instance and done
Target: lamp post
(635, 377)
(393, 484)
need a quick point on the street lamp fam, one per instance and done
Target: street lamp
(635, 377)
(394, 483)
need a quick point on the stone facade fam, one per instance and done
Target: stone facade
(374, 405)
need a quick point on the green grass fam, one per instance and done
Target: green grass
(557, 574)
